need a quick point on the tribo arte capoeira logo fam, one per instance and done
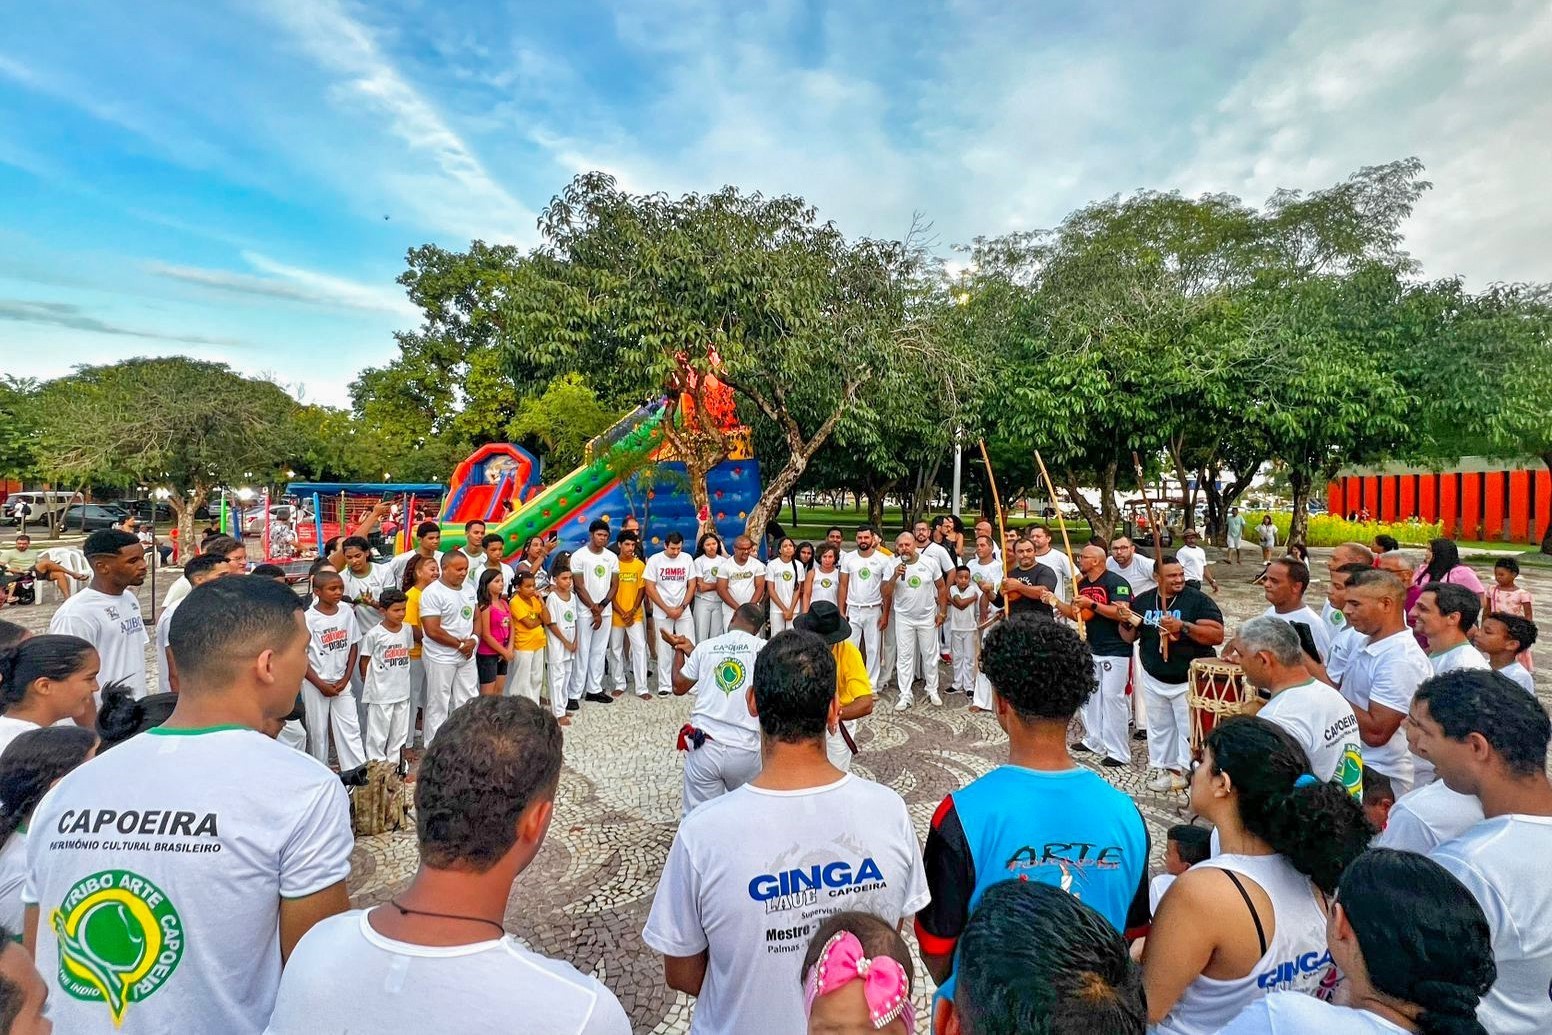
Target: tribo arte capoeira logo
(120, 939)
(730, 675)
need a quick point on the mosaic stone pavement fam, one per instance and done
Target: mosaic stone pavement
(587, 894)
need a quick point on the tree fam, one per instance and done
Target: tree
(561, 422)
(643, 291)
(181, 425)
(18, 447)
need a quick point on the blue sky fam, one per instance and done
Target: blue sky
(213, 178)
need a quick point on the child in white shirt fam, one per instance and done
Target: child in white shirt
(964, 614)
(560, 628)
(332, 644)
(385, 673)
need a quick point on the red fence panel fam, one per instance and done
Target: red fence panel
(1449, 502)
(1519, 506)
(1427, 499)
(1493, 505)
(1334, 499)
(1470, 505)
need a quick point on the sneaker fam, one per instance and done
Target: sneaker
(1113, 763)
(902, 704)
(932, 695)
(598, 697)
(1080, 748)
(573, 704)
(1160, 783)
(665, 693)
(1139, 734)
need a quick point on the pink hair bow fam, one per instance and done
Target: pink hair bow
(884, 983)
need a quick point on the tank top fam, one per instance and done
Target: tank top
(500, 626)
(827, 586)
(1296, 957)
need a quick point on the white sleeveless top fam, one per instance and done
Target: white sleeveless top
(1296, 957)
(784, 580)
(827, 586)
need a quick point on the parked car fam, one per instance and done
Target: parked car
(39, 505)
(91, 517)
(142, 509)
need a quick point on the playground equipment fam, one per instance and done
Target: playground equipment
(628, 470)
(490, 484)
(319, 511)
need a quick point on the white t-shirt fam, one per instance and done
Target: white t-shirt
(400, 561)
(388, 672)
(167, 857)
(11, 728)
(377, 579)
(180, 588)
(742, 579)
(1423, 819)
(752, 874)
(1138, 574)
(865, 578)
(1517, 672)
(1303, 1014)
(114, 627)
(1503, 863)
(784, 581)
(1156, 888)
(939, 553)
(915, 601)
(163, 633)
(563, 613)
(594, 571)
(508, 575)
(964, 619)
(1324, 724)
(1333, 617)
(346, 977)
(1460, 656)
(1387, 672)
(986, 575)
(722, 668)
(706, 571)
(827, 585)
(13, 874)
(455, 609)
(1194, 560)
(1058, 562)
(1320, 631)
(330, 638)
(670, 576)
(1345, 642)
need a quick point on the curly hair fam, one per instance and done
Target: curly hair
(1318, 827)
(1424, 938)
(1468, 701)
(1042, 669)
(794, 684)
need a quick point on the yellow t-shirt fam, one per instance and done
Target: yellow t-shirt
(525, 639)
(412, 615)
(631, 584)
(851, 673)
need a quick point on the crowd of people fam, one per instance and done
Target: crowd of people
(1364, 853)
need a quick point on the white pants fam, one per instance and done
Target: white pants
(707, 610)
(915, 643)
(962, 648)
(339, 713)
(417, 692)
(1105, 714)
(887, 655)
(527, 679)
(293, 735)
(1139, 699)
(779, 621)
(637, 636)
(1169, 727)
(713, 769)
(837, 751)
(558, 662)
(684, 625)
(868, 639)
(448, 685)
(587, 670)
(387, 727)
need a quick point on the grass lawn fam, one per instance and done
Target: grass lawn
(813, 522)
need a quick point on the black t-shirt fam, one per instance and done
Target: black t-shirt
(1189, 605)
(1039, 575)
(1105, 633)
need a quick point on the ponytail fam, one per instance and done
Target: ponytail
(1424, 938)
(1317, 826)
(51, 656)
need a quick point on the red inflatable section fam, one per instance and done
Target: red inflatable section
(490, 484)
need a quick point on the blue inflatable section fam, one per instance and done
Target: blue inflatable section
(660, 499)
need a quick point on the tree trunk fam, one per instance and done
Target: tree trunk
(876, 507)
(1300, 483)
(183, 510)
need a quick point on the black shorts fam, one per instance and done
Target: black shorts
(490, 666)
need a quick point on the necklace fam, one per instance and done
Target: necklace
(407, 911)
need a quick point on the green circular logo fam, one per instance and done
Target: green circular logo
(598, 570)
(120, 939)
(864, 574)
(730, 675)
(786, 576)
(467, 612)
(1350, 773)
(571, 616)
(914, 582)
(826, 583)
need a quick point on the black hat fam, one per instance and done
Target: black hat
(824, 619)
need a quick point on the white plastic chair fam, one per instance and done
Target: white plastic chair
(70, 559)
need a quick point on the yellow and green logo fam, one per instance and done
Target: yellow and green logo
(730, 675)
(1350, 773)
(120, 939)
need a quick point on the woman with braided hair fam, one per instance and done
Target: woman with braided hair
(1251, 921)
(1415, 949)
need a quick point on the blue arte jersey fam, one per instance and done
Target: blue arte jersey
(1069, 829)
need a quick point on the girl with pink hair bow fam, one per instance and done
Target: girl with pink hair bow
(847, 991)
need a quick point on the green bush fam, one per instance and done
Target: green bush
(1329, 530)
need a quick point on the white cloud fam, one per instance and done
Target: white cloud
(293, 284)
(444, 181)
